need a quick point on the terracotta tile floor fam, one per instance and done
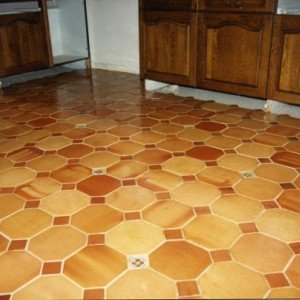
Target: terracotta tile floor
(110, 192)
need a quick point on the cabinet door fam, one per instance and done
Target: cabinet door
(22, 44)
(234, 52)
(284, 78)
(168, 47)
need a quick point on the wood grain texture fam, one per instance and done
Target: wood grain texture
(284, 79)
(233, 52)
(166, 5)
(168, 44)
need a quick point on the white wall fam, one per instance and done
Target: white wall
(114, 37)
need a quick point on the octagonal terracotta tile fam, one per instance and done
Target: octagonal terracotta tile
(147, 137)
(46, 163)
(152, 156)
(143, 122)
(239, 133)
(185, 120)
(174, 145)
(25, 154)
(49, 287)
(194, 135)
(293, 272)
(290, 199)
(211, 126)
(102, 124)
(180, 260)
(131, 198)
(125, 148)
(11, 263)
(123, 130)
(219, 176)
(99, 160)
(256, 150)
(15, 176)
(54, 143)
(258, 189)
(95, 266)
(293, 146)
(167, 128)
(75, 151)
(46, 246)
(96, 218)
(134, 237)
(168, 214)
(212, 232)
(223, 142)
(127, 169)
(81, 119)
(25, 223)
(284, 293)
(98, 185)
(65, 203)
(226, 118)
(253, 124)
(183, 166)
(10, 203)
(233, 281)
(159, 181)
(195, 194)
(101, 140)
(239, 163)
(289, 159)
(270, 139)
(79, 133)
(38, 188)
(8, 146)
(71, 173)
(237, 208)
(211, 105)
(60, 127)
(41, 122)
(276, 173)
(283, 130)
(138, 284)
(280, 224)
(261, 253)
(205, 153)
(5, 164)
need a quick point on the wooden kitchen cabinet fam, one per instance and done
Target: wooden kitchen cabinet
(168, 46)
(233, 52)
(23, 44)
(284, 78)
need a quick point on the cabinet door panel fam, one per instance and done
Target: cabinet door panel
(284, 84)
(234, 52)
(168, 43)
(23, 45)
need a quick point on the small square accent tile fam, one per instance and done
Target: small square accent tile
(32, 204)
(163, 196)
(269, 204)
(93, 294)
(42, 174)
(178, 154)
(128, 182)
(173, 234)
(211, 163)
(51, 268)
(202, 210)
(96, 239)
(99, 171)
(4, 297)
(295, 247)
(187, 288)
(68, 186)
(80, 126)
(19, 164)
(132, 216)
(226, 190)
(248, 227)
(73, 161)
(17, 245)
(61, 220)
(7, 190)
(126, 157)
(189, 178)
(100, 149)
(220, 255)
(97, 200)
(138, 262)
(155, 167)
(277, 280)
(287, 186)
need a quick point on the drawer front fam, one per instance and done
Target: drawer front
(169, 5)
(239, 5)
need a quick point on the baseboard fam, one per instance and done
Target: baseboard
(113, 67)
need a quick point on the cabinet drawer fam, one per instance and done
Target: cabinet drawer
(169, 5)
(239, 5)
